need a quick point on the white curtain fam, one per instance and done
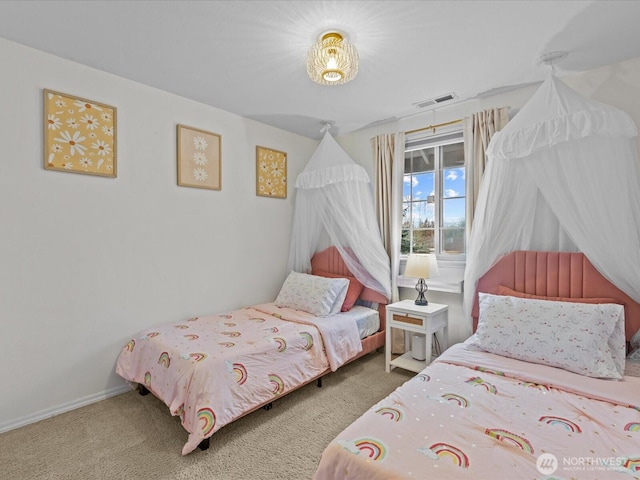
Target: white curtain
(334, 206)
(388, 155)
(478, 130)
(562, 175)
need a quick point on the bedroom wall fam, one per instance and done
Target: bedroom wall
(86, 261)
(616, 84)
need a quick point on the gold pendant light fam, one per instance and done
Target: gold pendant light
(332, 60)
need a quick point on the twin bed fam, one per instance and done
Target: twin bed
(541, 391)
(212, 370)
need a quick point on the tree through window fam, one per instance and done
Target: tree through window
(433, 198)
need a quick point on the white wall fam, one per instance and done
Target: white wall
(86, 261)
(617, 85)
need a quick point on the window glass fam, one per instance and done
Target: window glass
(434, 201)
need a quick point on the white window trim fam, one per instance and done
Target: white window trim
(420, 141)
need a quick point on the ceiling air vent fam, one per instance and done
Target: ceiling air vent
(435, 101)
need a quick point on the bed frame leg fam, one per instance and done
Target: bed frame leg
(204, 444)
(142, 390)
(320, 382)
(268, 406)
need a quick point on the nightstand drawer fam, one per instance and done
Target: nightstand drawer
(408, 319)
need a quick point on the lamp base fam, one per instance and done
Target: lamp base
(421, 300)
(421, 287)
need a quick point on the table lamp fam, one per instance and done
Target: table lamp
(421, 266)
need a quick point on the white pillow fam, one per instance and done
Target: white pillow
(319, 296)
(572, 336)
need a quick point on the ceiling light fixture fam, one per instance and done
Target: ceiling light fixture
(332, 60)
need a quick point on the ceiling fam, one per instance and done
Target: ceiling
(248, 57)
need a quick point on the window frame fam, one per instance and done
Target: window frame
(419, 142)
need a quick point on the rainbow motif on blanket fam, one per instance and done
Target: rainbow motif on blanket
(488, 370)
(181, 327)
(394, 414)
(444, 450)
(272, 329)
(131, 344)
(147, 379)
(229, 324)
(241, 373)
(164, 359)
(193, 319)
(632, 427)
(308, 340)
(632, 464)
(477, 381)
(227, 344)
(225, 315)
(281, 344)
(257, 319)
(208, 418)
(422, 377)
(152, 334)
(457, 399)
(634, 407)
(232, 334)
(277, 382)
(191, 337)
(372, 448)
(538, 386)
(198, 357)
(504, 435)
(567, 424)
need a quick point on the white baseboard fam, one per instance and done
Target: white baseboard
(65, 407)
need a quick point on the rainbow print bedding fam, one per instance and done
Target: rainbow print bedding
(211, 370)
(476, 415)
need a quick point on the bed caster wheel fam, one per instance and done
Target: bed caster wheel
(142, 390)
(268, 406)
(204, 444)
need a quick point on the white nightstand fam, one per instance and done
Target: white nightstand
(426, 320)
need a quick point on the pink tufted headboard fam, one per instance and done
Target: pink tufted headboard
(555, 274)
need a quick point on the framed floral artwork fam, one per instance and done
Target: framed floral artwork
(79, 135)
(271, 173)
(199, 158)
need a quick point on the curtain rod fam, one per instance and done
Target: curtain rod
(434, 126)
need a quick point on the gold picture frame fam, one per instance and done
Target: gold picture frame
(271, 173)
(199, 158)
(80, 135)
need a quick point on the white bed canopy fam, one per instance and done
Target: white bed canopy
(334, 206)
(563, 175)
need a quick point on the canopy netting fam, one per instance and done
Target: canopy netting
(563, 175)
(334, 206)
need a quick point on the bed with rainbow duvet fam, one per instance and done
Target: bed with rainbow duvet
(211, 370)
(544, 389)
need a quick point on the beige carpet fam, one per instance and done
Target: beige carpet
(135, 437)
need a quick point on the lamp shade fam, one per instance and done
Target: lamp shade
(422, 265)
(332, 60)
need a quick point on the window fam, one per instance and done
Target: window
(433, 198)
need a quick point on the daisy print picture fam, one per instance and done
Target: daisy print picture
(199, 159)
(79, 135)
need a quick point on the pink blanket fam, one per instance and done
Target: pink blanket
(476, 415)
(341, 339)
(211, 370)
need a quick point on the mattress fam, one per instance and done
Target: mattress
(367, 319)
